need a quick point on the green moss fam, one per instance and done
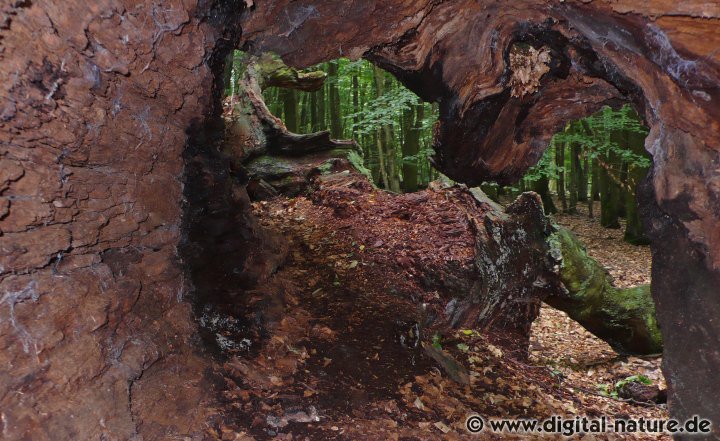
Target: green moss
(325, 167)
(625, 318)
(357, 161)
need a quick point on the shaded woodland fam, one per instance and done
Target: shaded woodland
(600, 158)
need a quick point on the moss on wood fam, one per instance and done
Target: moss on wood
(625, 318)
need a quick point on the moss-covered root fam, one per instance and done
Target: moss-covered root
(625, 318)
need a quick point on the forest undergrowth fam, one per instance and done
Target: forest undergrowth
(345, 362)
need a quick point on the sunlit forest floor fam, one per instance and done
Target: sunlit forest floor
(562, 344)
(344, 362)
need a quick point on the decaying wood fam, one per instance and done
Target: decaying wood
(252, 130)
(659, 56)
(103, 108)
(276, 159)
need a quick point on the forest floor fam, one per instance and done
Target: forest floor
(561, 343)
(344, 362)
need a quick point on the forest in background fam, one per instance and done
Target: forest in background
(600, 158)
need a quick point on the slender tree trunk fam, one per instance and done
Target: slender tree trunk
(574, 162)
(391, 147)
(622, 184)
(560, 163)
(321, 112)
(290, 108)
(609, 194)
(356, 105)
(411, 146)
(381, 135)
(393, 171)
(584, 171)
(634, 231)
(541, 187)
(336, 129)
(590, 167)
(313, 112)
(381, 160)
(385, 137)
(595, 186)
(302, 101)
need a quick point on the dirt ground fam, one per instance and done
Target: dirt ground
(344, 360)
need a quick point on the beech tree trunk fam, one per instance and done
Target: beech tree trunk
(336, 126)
(624, 318)
(610, 193)
(560, 164)
(411, 146)
(541, 187)
(634, 229)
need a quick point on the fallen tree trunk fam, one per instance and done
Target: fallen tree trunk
(624, 318)
(465, 261)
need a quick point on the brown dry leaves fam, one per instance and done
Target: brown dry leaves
(629, 265)
(352, 239)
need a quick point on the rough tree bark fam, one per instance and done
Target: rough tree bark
(97, 104)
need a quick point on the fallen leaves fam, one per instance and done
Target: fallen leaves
(351, 271)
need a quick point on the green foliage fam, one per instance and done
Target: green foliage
(593, 135)
(383, 110)
(612, 391)
(365, 114)
(436, 341)
(545, 167)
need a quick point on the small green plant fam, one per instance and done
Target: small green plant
(557, 374)
(633, 379)
(611, 391)
(436, 341)
(463, 347)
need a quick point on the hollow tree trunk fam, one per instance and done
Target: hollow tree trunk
(275, 159)
(624, 318)
(94, 121)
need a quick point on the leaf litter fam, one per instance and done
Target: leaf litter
(343, 361)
